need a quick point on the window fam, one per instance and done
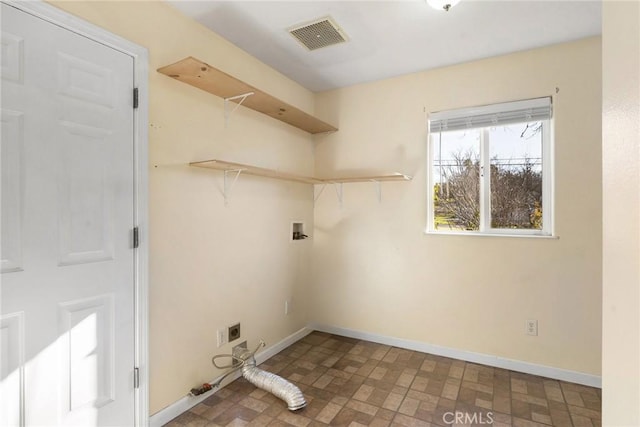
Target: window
(489, 169)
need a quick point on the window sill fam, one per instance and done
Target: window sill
(478, 234)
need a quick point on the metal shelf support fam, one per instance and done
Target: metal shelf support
(228, 184)
(338, 187)
(227, 113)
(378, 189)
(317, 195)
(339, 191)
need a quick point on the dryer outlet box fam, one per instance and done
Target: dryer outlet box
(234, 332)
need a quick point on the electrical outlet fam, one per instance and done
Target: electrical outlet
(234, 332)
(221, 337)
(532, 327)
(288, 306)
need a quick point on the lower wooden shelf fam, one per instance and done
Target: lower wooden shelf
(272, 173)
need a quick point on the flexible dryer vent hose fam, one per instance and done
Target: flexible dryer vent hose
(274, 384)
(264, 380)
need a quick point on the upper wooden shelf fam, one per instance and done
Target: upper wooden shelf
(203, 76)
(271, 173)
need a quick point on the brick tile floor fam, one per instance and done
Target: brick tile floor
(349, 382)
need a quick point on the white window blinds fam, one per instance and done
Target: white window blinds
(530, 110)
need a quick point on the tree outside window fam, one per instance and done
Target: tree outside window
(492, 179)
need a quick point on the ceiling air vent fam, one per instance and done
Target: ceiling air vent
(320, 33)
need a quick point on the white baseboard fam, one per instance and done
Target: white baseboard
(484, 359)
(165, 415)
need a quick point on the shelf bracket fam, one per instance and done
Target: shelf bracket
(227, 113)
(378, 189)
(317, 195)
(228, 183)
(338, 188)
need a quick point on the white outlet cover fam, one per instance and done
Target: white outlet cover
(221, 337)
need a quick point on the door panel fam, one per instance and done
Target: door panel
(87, 356)
(11, 368)
(85, 80)
(85, 205)
(67, 215)
(12, 169)
(12, 55)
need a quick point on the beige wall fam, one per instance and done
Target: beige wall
(621, 201)
(375, 270)
(211, 265)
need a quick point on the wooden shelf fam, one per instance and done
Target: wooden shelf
(203, 76)
(371, 178)
(254, 170)
(271, 173)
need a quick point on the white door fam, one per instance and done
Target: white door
(67, 332)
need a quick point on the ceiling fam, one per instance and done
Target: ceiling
(391, 38)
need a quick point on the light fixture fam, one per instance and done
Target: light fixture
(442, 4)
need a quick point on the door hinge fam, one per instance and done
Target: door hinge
(135, 97)
(136, 238)
(136, 377)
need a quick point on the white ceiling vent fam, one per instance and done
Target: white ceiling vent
(320, 33)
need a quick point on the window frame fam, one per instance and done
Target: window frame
(548, 178)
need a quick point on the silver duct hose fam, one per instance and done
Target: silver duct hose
(264, 380)
(274, 384)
